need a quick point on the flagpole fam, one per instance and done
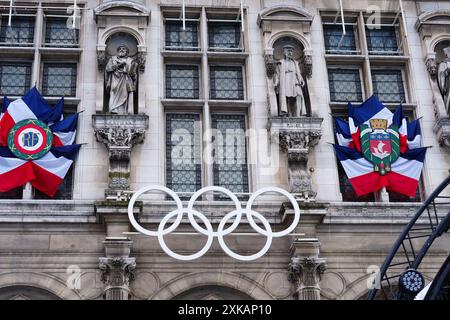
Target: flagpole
(183, 13)
(10, 12)
(74, 13)
(242, 16)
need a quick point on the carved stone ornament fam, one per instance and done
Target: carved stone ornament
(306, 274)
(442, 130)
(119, 133)
(307, 64)
(117, 268)
(296, 137)
(270, 62)
(431, 66)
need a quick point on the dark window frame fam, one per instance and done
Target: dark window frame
(213, 94)
(214, 29)
(399, 74)
(172, 26)
(168, 85)
(26, 85)
(169, 168)
(45, 78)
(330, 31)
(244, 166)
(331, 82)
(49, 42)
(23, 41)
(385, 32)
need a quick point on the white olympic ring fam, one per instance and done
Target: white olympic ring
(208, 230)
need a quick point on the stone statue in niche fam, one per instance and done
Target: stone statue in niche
(443, 77)
(289, 83)
(120, 79)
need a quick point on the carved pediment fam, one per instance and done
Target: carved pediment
(285, 13)
(122, 8)
(435, 17)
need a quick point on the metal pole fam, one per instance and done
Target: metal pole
(343, 24)
(11, 2)
(184, 15)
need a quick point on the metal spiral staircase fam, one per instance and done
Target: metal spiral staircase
(399, 277)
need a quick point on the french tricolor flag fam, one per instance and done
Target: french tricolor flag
(45, 173)
(403, 178)
(405, 171)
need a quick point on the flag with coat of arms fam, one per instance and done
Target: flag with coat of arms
(36, 143)
(378, 148)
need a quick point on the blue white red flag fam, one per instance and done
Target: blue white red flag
(29, 149)
(378, 148)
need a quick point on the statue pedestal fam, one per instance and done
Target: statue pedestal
(119, 133)
(296, 137)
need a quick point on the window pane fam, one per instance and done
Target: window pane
(224, 35)
(382, 40)
(333, 34)
(388, 85)
(57, 32)
(182, 82)
(226, 83)
(60, 79)
(230, 152)
(15, 78)
(12, 194)
(183, 157)
(65, 190)
(179, 39)
(345, 85)
(21, 32)
(347, 191)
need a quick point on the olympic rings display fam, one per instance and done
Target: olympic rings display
(207, 230)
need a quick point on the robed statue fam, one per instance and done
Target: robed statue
(443, 77)
(120, 79)
(289, 83)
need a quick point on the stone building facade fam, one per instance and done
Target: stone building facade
(215, 75)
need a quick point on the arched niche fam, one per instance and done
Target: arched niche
(113, 18)
(111, 45)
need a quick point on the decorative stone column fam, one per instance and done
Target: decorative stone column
(117, 268)
(120, 133)
(297, 136)
(306, 268)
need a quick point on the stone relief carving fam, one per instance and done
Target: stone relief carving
(296, 137)
(119, 133)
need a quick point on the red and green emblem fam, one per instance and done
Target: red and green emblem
(30, 139)
(380, 145)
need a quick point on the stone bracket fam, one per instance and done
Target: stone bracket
(442, 130)
(119, 133)
(296, 137)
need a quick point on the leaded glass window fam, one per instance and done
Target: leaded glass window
(16, 193)
(347, 191)
(20, 33)
(58, 34)
(345, 85)
(183, 154)
(388, 85)
(182, 82)
(333, 35)
(226, 83)
(179, 39)
(15, 78)
(59, 79)
(230, 152)
(224, 36)
(382, 40)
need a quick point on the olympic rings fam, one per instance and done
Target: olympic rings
(208, 229)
